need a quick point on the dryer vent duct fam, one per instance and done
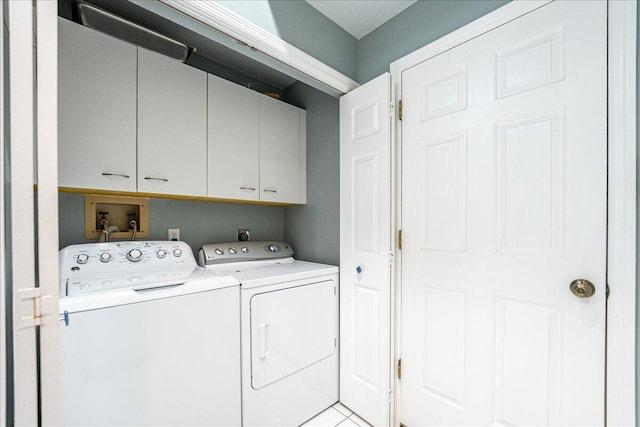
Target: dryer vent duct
(115, 26)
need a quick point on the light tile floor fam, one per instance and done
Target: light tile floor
(336, 415)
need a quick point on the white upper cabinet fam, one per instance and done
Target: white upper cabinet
(257, 146)
(233, 140)
(172, 126)
(134, 120)
(96, 110)
(282, 152)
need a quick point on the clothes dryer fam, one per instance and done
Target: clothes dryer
(289, 330)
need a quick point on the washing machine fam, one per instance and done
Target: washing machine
(289, 330)
(147, 337)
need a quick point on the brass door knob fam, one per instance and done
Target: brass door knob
(582, 288)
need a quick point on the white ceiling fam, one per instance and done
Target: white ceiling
(360, 17)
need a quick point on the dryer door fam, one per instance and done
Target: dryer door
(291, 329)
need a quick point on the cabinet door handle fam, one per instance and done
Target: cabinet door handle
(156, 179)
(116, 174)
(248, 188)
(270, 190)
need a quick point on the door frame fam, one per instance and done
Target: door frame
(620, 396)
(29, 134)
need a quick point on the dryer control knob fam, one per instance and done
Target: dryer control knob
(82, 259)
(177, 253)
(233, 251)
(274, 248)
(245, 250)
(105, 257)
(219, 251)
(134, 255)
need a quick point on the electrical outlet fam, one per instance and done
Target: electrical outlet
(244, 234)
(174, 234)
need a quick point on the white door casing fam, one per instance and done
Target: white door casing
(47, 207)
(503, 201)
(32, 261)
(365, 250)
(21, 232)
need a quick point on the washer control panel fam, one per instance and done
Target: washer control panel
(96, 259)
(219, 253)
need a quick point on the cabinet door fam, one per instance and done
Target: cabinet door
(96, 110)
(233, 140)
(172, 126)
(281, 149)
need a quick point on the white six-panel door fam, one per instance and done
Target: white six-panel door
(365, 250)
(503, 205)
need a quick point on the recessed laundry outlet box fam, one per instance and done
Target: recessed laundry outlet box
(114, 214)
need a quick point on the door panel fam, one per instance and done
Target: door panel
(97, 109)
(503, 205)
(291, 329)
(233, 138)
(365, 247)
(172, 126)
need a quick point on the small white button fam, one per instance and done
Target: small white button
(177, 252)
(245, 250)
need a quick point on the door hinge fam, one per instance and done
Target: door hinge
(399, 369)
(400, 239)
(608, 291)
(400, 110)
(31, 310)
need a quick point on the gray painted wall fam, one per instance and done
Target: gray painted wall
(414, 27)
(314, 229)
(199, 222)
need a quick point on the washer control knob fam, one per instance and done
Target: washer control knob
(245, 250)
(82, 259)
(161, 253)
(105, 257)
(219, 251)
(177, 253)
(134, 255)
(274, 248)
(233, 251)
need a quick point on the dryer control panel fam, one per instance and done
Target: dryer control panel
(219, 253)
